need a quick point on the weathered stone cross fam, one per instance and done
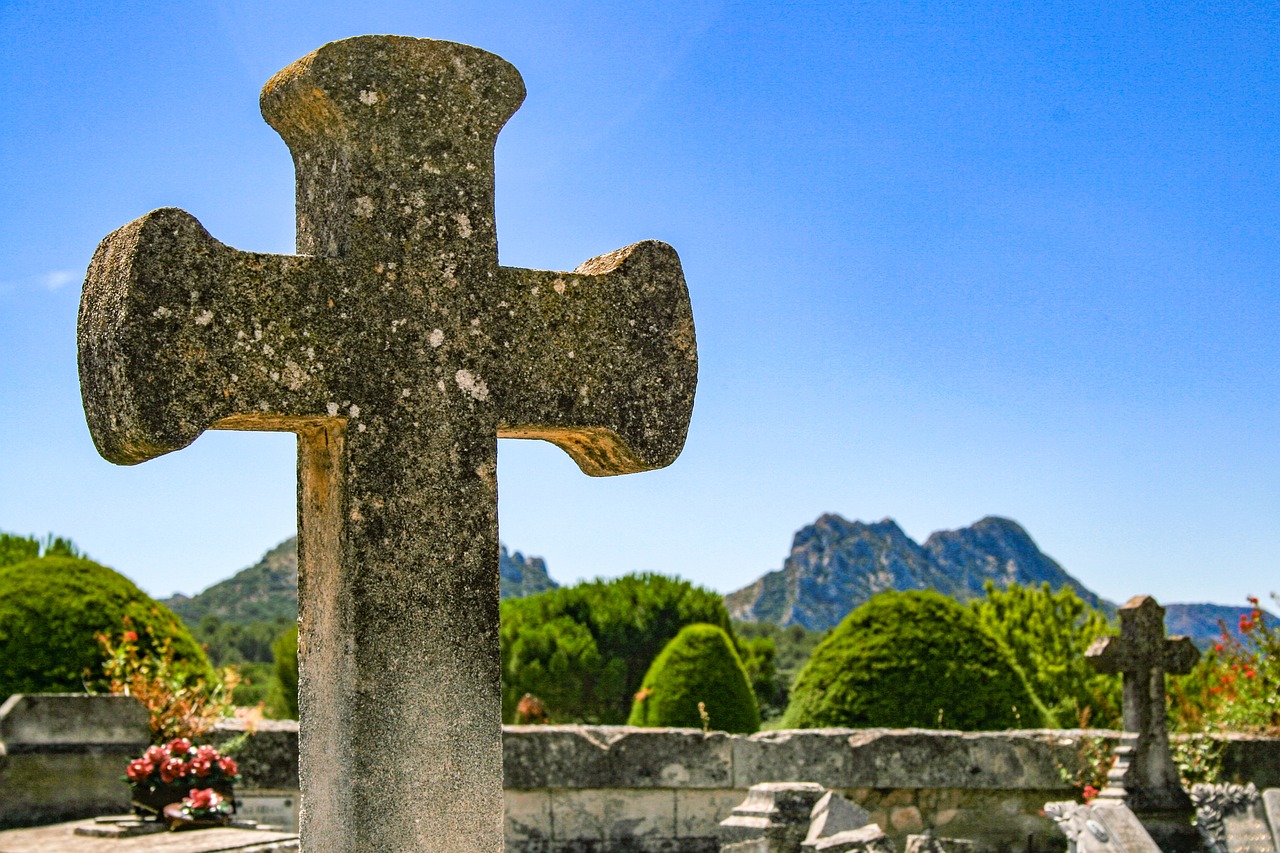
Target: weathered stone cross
(398, 350)
(1144, 774)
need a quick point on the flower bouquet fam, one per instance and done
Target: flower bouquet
(169, 773)
(200, 808)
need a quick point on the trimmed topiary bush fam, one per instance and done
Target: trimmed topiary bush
(53, 608)
(698, 665)
(913, 659)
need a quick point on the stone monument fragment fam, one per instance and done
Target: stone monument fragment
(1232, 819)
(774, 818)
(1144, 775)
(1101, 827)
(399, 351)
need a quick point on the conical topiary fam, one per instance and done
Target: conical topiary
(699, 665)
(913, 659)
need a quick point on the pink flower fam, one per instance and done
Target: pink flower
(207, 753)
(228, 766)
(201, 767)
(172, 770)
(179, 747)
(202, 799)
(139, 769)
(1090, 792)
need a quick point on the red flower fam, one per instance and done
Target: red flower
(1089, 792)
(207, 753)
(228, 766)
(1217, 647)
(201, 767)
(157, 755)
(139, 769)
(202, 799)
(131, 636)
(172, 770)
(1253, 599)
(1248, 673)
(179, 747)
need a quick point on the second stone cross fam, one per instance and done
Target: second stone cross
(398, 350)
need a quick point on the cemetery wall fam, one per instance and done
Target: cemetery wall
(577, 789)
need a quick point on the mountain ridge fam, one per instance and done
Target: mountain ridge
(268, 590)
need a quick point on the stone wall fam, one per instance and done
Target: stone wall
(590, 789)
(62, 756)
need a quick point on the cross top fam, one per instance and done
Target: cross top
(1145, 774)
(1142, 645)
(398, 350)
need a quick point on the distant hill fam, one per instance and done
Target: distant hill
(268, 590)
(836, 564)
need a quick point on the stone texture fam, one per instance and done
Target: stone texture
(905, 758)
(1232, 819)
(62, 755)
(866, 839)
(615, 818)
(935, 844)
(833, 814)
(398, 350)
(1144, 774)
(61, 838)
(616, 757)
(1107, 827)
(777, 812)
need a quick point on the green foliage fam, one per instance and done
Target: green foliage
(698, 679)
(583, 650)
(1048, 632)
(239, 643)
(913, 659)
(19, 549)
(52, 610)
(1236, 685)
(283, 699)
(773, 656)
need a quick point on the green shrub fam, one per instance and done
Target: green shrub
(1047, 633)
(583, 650)
(282, 702)
(52, 610)
(697, 681)
(913, 659)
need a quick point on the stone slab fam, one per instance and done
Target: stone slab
(1271, 807)
(527, 820)
(613, 817)
(1101, 828)
(62, 838)
(1232, 819)
(271, 808)
(537, 757)
(67, 720)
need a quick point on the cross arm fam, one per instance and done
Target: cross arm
(1105, 655)
(602, 361)
(1180, 655)
(169, 340)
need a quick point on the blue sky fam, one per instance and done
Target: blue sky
(946, 261)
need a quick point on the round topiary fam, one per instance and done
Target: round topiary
(53, 608)
(912, 659)
(699, 665)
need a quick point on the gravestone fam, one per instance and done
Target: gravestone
(1101, 827)
(1232, 819)
(399, 351)
(837, 825)
(1271, 808)
(774, 818)
(1144, 774)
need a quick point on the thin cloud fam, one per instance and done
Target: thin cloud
(57, 279)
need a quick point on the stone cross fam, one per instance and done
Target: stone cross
(1144, 774)
(399, 351)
